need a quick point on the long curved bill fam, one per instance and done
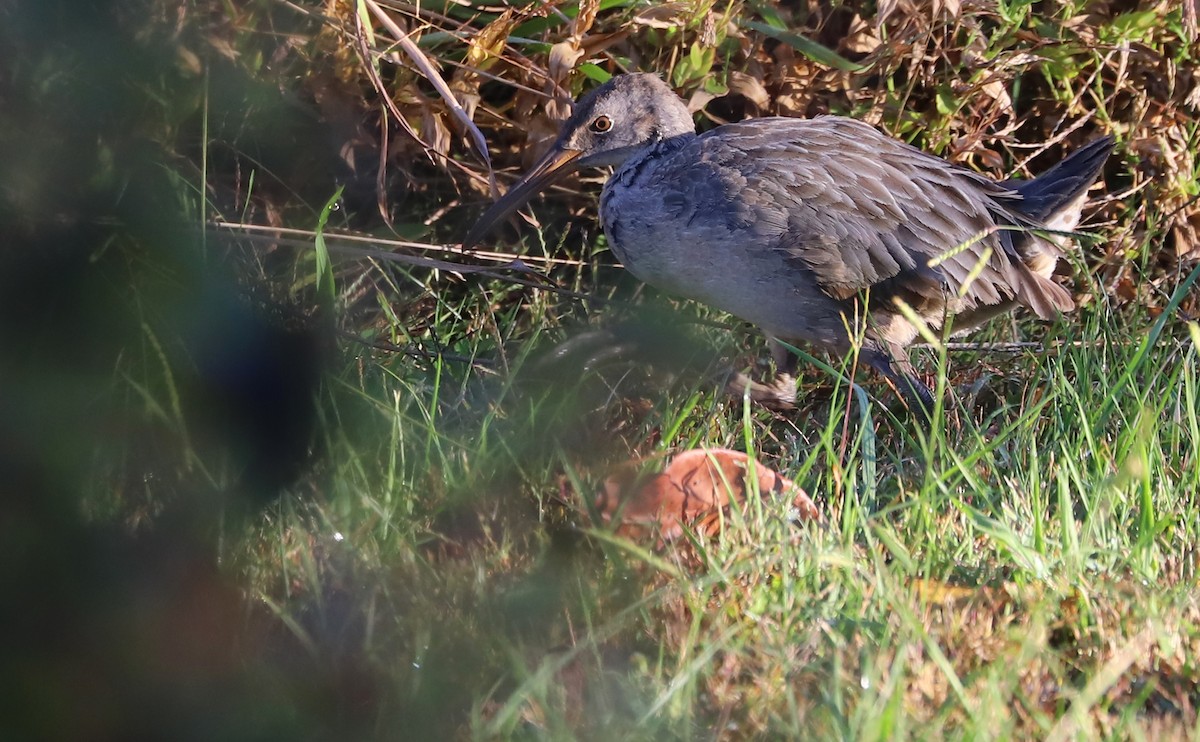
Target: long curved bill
(557, 163)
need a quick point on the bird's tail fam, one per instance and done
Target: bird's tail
(1056, 197)
(1053, 201)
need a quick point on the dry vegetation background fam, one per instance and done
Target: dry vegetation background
(1004, 87)
(193, 550)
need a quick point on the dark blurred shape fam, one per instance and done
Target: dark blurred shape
(257, 374)
(149, 401)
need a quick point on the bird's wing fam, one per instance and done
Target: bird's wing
(863, 212)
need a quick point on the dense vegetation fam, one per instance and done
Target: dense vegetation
(280, 460)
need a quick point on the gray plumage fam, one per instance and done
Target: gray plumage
(813, 229)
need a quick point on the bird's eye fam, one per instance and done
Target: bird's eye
(601, 124)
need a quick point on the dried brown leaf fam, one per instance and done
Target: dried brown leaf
(694, 489)
(663, 15)
(563, 57)
(584, 19)
(487, 45)
(434, 132)
(750, 88)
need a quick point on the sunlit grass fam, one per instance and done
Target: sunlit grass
(1026, 567)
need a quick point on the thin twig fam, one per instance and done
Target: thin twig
(431, 74)
(364, 52)
(462, 269)
(497, 257)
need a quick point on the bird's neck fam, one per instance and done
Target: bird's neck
(661, 148)
(629, 170)
(672, 117)
(672, 142)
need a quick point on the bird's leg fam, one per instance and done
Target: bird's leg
(780, 393)
(785, 371)
(785, 360)
(894, 365)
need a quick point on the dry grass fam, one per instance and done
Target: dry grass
(1002, 87)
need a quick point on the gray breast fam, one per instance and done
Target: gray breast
(685, 221)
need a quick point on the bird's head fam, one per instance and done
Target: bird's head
(608, 125)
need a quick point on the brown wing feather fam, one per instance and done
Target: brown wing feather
(862, 211)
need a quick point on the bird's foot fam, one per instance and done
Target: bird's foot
(780, 394)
